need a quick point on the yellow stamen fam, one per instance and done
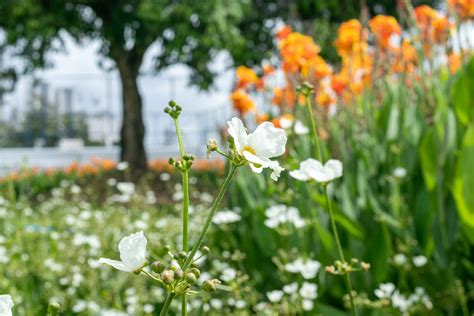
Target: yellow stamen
(249, 149)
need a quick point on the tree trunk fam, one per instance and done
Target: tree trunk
(132, 133)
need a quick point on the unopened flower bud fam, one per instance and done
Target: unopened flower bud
(167, 276)
(196, 272)
(211, 285)
(211, 146)
(178, 274)
(354, 261)
(330, 269)
(181, 255)
(157, 267)
(171, 161)
(191, 278)
(53, 309)
(172, 103)
(205, 250)
(365, 265)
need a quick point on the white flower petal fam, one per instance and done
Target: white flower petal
(239, 133)
(133, 251)
(116, 264)
(6, 304)
(267, 140)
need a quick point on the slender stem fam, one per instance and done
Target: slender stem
(185, 204)
(166, 305)
(339, 248)
(153, 277)
(207, 224)
(462, 298)
(203, 233)
(185, 209)
(183, 305)
(328, 203)
(314, 130)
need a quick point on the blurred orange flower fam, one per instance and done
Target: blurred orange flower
(245, 77)
(463, 8)
(299, 53)
(384, 27)
(283, 32)
(242, 102)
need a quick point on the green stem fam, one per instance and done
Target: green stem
(462, 298)
(328, 203)
(339, 249)
(314, 130)
(207, 224)
(203, 233)
(185, 204)
(166, 305)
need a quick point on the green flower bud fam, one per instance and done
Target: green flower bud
(178, 274)
(157, 267)
(205, 250)
(191, 278)
(196, 272)
(53, 309)
(182, 255)
(172, 103)
(211, 285)
(167, 276)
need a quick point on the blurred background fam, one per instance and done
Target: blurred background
(62, 82)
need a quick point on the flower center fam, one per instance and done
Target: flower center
(249, 149)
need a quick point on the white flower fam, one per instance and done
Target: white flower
(300, 128)
(419, 261)
(275, 296)
(399, 172)
(122, 165)
(126, 188)
(282, 214)
(308, 305)
(308, 268)
(290, 288)
(400, 301)
(385, 290)
(312, 169)
(132, 253)
(400, 259)
(225, 217)
(309, 291)
(6, 304)
(258, 147)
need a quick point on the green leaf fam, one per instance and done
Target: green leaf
(393, 123)
(463, 184)
(428, 158)
(463, 94)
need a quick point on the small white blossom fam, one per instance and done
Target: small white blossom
(312, 169)
(309, 291)
(282, 214)
(275, 296)
(385, 290)
(225, 217)
(290, 288)
(308, 305)
(400, 259)
(399, 172)
(258, 147)
(419, 261)
(308, 269)
(132, 253)
(300, 128)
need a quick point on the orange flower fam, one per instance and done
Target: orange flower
(268, 70)
(383, 27)
(321, 68)
(464, 8)
(284, 97)
(283, 32)
(242, 102)
(260, 118)
(339, 83)
(299, 53)
(433, 25)
(454, 62)
(348, 34)
(245, 77)
(260, 84)
(324, 98)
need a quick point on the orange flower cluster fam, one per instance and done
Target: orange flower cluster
(384, 27)
(380, 51)
(199, 165)
(242, 101)
(463, 8)
(433, 25)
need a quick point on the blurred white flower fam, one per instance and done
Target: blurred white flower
(400, 259)
(225, 217)
(290, 288)
(400, 302)
(300, 128)
(165, 176)
(275, 296)
(309, 291)
(419, 261)
(312, 169)
(399, 172)
(126, 188)
(385, 290)
(258, 147)
(6, 304)
(132, 253)
(308, 305)
(122, 165)
(282, 214)
(308, 269)
(228, 274)
(111, 182)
